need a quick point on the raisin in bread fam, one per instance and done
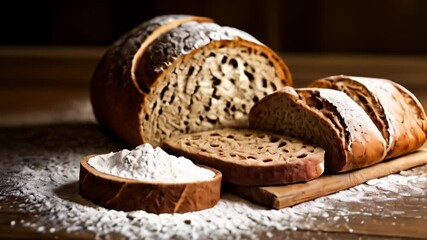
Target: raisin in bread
(327, 118)
(250, 157)
(394, 110)
(179, 74)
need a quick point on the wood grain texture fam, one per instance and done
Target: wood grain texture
(127, 195)
(288, 195)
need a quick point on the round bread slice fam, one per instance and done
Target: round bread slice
(327, 118)
(125, 194)
(182, 74)
(394, 110)
(250, 157)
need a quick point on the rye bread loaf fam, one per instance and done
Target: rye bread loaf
(179, 74)
(395, 111)
(250, 157)
(327, 118)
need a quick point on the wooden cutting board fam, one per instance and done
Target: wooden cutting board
(287, 195)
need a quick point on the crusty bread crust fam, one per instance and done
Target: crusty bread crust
(415, 107)
(396, 112)
(126, 79)
(115, 95)
(327, 118)
(129, 195)
(142, 70)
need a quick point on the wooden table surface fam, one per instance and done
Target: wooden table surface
(44, 87)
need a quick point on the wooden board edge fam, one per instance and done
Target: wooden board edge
(278, 197)
(257, 195)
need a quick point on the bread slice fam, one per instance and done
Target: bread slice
(126, 194)
(394, 110)
(178, 74)
(250, 157)
(327, 118)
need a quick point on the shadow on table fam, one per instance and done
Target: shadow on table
(70, 192)
(48, 140)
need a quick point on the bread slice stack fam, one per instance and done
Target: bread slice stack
(395, 111)
(359, 121)
(178, 74)
(326, 117)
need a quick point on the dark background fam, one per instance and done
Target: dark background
(353, 26)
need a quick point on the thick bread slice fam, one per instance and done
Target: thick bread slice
(250, 157)
(327, 118)
(394, 110)
(155, 197)
(192, 77)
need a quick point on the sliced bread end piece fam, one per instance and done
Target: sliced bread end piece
(325, 117)
(395, 111)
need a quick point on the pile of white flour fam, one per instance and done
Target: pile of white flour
(40, 169)
(145, 163)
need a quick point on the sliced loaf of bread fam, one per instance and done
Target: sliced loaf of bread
(394, 110)
(327, 118)
(179, 74)
(250, 157)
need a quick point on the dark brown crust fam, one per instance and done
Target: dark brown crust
(128, 195)
(144, 65)
(242, 172)
(118, 94)
(115, 96)
(187, 37)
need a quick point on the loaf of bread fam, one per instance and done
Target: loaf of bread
(395, 111)
(327, 118)
(180, 74)
(249, 157)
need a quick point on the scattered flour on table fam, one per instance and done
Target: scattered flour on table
(41, 171)
(145, 163)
